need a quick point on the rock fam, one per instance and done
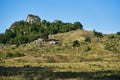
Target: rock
(32, 19)
(38, 40)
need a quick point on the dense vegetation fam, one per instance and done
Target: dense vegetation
(23, 32)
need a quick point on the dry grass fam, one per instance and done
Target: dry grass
(62, 60)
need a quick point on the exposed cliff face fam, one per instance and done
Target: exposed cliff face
(32, 19)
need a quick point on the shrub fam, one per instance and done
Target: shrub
(111, 37)
(111, 46)
(118, 33)
(76, 43)
(87, 39)
(97, 34)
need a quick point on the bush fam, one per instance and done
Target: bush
(111, 37)
(111, 46)
(118, 33)
(97, 34)
(87, 39)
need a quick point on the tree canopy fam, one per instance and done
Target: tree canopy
(22, 32)
(97, 34)
(76, 43)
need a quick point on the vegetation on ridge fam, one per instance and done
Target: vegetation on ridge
(26, 31)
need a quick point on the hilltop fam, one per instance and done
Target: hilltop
(33, 27)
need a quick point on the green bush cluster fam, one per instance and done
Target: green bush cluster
(112, 43)
(97, 34)
(23, 32)
(87, 39)
(111, 46)
(118, 33)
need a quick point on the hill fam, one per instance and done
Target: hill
(105, 48)
(75, 54)
(22, 32)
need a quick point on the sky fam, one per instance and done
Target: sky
(100, 15)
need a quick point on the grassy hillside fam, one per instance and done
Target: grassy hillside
(97, 58)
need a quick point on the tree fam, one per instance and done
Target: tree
(10, 34)
(76, 45)
(118, 33)
(78, 25)
(87, 39)
(22, 31)
(3, 39)
(44, 36)
(97, 34)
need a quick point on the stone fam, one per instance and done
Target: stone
(32, 19)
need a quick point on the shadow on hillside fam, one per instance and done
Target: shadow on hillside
(99, 75)
(39, 73)
(29, 73)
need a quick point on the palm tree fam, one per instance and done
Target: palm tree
(76, 44)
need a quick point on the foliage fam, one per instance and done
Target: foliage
(22, 32)
(97, 34)
(118, 33)
(112, 43)
(111, 46)
(87, 39)
(111, 37)
(77, 25)
(76, 43)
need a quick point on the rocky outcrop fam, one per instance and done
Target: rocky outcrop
(32, 19)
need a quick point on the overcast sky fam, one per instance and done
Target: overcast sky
(101, 15)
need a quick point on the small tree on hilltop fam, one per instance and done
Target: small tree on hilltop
(76, 44)
(97, 34)
(118, 33)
